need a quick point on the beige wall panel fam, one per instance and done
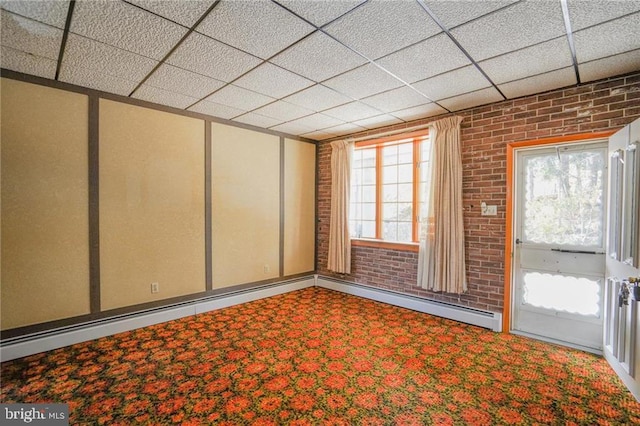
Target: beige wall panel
(245, 205)
(45, 224)
(299, 207)
(151, 204)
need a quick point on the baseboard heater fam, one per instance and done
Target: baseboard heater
(480, 318)
(57, 338)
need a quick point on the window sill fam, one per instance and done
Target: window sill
(413, 247)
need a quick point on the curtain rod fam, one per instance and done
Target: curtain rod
(388, 133)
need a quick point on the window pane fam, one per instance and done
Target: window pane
(405, 173)
(405, 153)
(390, 192)
(390, 174)
(404, 231)
(405, 192)
(390, 155)
(368, 229)
(389, 211)
(404, 211)
(369, 176)
(390, 231)
(368, 157)
(369, 193)
(368, 211)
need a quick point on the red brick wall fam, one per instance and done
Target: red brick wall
(604, 105)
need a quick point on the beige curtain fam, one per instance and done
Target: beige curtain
(441, 264)
(339, 239)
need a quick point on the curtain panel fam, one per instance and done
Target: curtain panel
(339, 239)
(441, 257)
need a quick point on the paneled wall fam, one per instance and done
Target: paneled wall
(604, 105)
(45, 242)
(67, 259)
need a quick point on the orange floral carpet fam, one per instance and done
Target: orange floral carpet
(315, 357)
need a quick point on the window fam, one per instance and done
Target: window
(388, 183)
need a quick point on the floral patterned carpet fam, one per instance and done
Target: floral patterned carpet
(315, 357)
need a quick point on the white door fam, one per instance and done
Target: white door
(559, 260)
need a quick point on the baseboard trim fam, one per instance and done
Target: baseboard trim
(65, 336)
(480, 318)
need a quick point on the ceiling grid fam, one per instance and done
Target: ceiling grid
(321, 69)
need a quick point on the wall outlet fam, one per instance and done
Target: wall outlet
(155, 288)
(267, 269)
(486, 210)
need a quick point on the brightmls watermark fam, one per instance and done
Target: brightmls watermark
(34, 414)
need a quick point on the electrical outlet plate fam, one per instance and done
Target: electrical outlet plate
(155, 288)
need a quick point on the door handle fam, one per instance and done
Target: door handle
(518, 241)
(576, 251)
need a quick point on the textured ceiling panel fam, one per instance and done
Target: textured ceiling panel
(27, 63)
(81, 52)
(163, 97)
(452, 83)
(240, 98)
(318, 135)
(619, 36)
(259, 27)
(351, 83)
(183, 12)
(537, 59)
(352, 112)
(30, 36)
(182, 81)
(454, 13)
(396, 99)
(426, 59)
(211, 58)
(318, 98)
(272, 81)
(49, 12)
(217, 110)
(125, 26)
(539, 83)
(96, 79)
(292, 128)
(609, 66)
(378, 121)
(257, 120)
(318, 57)
(343, 129)
(374, 29)
(317, 121)
(583, 14)
(468, 100)
(320, 12)
(511, 28)
(283, 111)
(426, 110)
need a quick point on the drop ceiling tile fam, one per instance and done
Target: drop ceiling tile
(511, 28)
(426, 59)
(27, 63)
(378, 121)
(182, 81)
(182, 12)
(421, 111)
(539, 83)
(610, 66)
(318, 135)
(396, 99)
(583, 14)
(292, 128)
(317, 121)
(163, 97)
(283, 111)
(380, 27)
(94, 78)
(216, 110)
(452, 83)
(48, 12)
(619, 36)
(352, 112)
(362, 82)
(472, 99)
(344, 129)
(259, 27)
(257, 120)
(320, 12)
(318, 98)
(454, 13)
(100, 58)
(272, 81)
(30, 36)
(125, 26)
(240, 98)
(211, 58)
(318, 57)
(540, 58)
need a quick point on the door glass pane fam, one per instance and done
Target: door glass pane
(564, 197)
(576, 295)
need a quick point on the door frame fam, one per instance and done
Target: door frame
(512, 147)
